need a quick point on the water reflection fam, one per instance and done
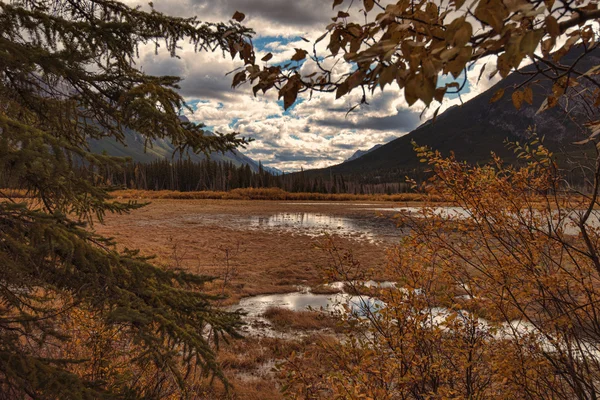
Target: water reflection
(566, 222)
(371, 228)
(302, 301)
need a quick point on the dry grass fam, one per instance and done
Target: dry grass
(260, 262)
(249, 365)
(15, 194)
(265, 261)
(325, 289)
(283, 319)
(264, 194)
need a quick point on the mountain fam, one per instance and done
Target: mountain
(478, 127)
(135, 148)
(360, 153)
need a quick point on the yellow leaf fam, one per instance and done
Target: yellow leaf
(491, 12)
(410, 90)
(238, 16)
(300, 55)
(387, 75)
(463, 34)
(552, 26)
(517, 99)
(497, 96)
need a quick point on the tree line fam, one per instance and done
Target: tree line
(186, 175)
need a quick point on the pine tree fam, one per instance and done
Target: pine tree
(67, 74)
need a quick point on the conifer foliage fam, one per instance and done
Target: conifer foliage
(67, 74)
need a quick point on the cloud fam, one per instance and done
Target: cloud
(318, 131)
(403, 121)
(266, 17)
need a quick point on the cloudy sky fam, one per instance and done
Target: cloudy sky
(315, 132)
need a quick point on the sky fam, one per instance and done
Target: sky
(317, 131)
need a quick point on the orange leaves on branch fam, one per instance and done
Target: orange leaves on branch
(387, 75)
(552, 26)
(300, 55)
(244, 49)
(414, 43)
(459, 32)
(549, 102)
(530, 41)
(238, 79)
(290, 90)
(352, 82)
(238, 16)
(341, 15)
(439, 94)
(517, 99)
(419, 87)
(520, 96)
(492, 12)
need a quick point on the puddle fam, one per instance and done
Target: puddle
(362, 305)
(359, 227)
(304, 300)
(315, 224)
(368, 284)
(329, 203)
(568, 223)
(444, 212)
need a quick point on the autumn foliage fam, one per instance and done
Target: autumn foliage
(495, 298)
(427, 49)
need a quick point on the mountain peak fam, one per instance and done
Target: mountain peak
(360, 153)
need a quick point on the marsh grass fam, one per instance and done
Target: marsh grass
(264, 194)
(283, 319)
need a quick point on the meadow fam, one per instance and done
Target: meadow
(217, 237)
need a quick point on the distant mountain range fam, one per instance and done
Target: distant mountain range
(360, 153)
(162, 148)
(477, 128)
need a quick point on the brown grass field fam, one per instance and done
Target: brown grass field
(264, 194)
(207, 237)
(286, 320)
(192, 234)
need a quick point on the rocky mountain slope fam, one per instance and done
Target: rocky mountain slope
(478, 127)
(159, 149)
(360, 153)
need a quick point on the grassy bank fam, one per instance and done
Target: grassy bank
(264, 194)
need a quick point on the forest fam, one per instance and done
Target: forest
(188, 175)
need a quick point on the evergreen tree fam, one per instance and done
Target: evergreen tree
(67, 74)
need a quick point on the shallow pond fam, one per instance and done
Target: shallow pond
(257, 325)
(316, 224)
(369, 227)
(304, 300)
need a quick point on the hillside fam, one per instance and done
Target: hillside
(360, 153)
(475, 129)
(160, 149)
